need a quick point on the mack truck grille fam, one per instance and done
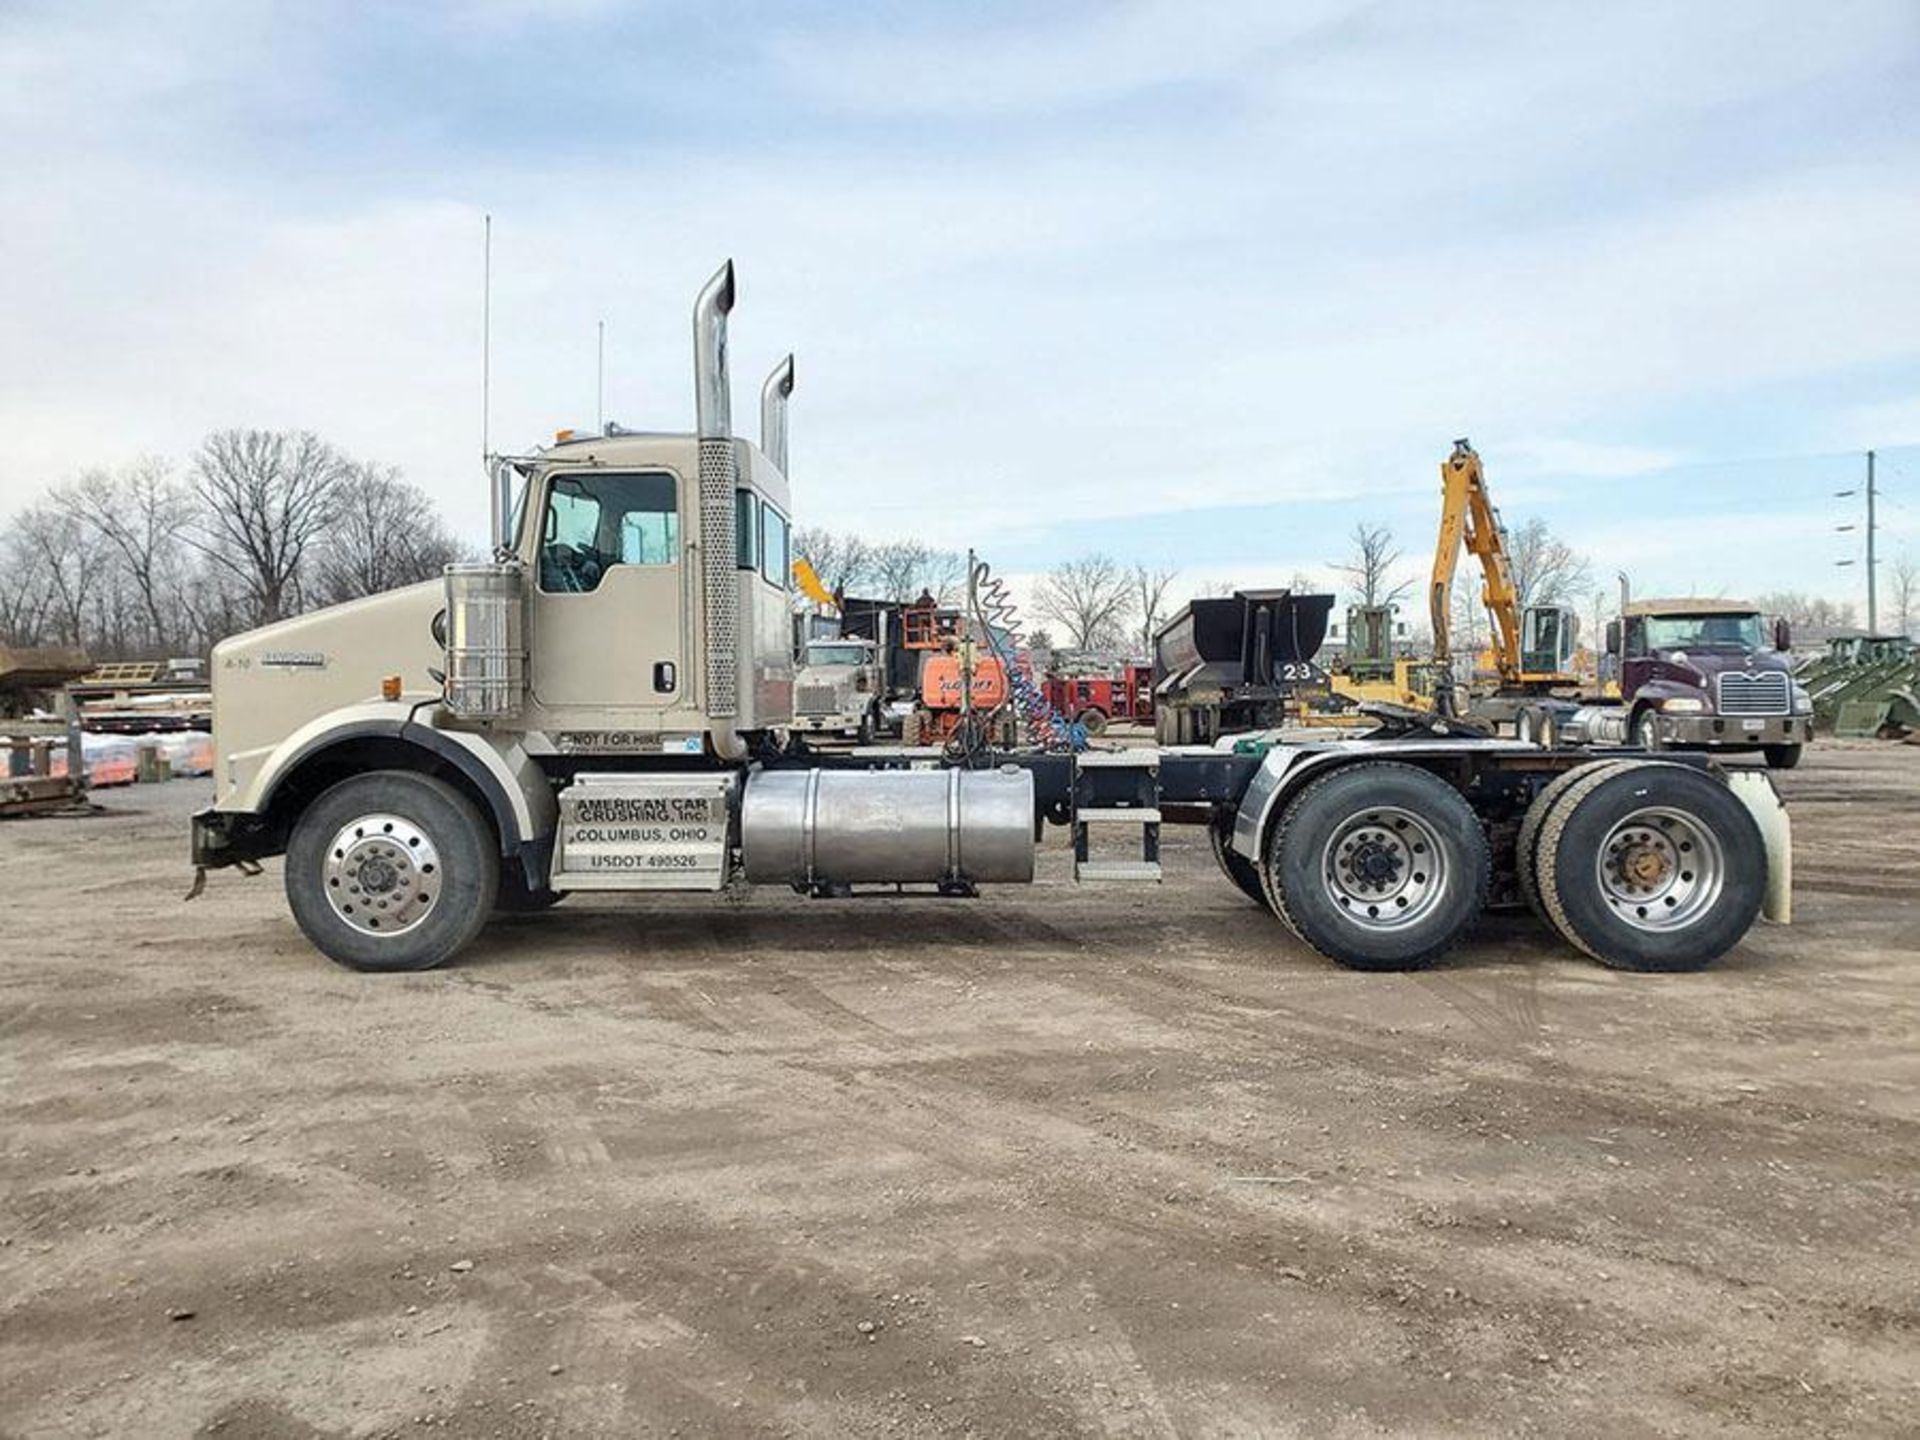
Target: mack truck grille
(815, 700)
(1764, 694)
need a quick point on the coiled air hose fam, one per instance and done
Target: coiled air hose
(1000, 617)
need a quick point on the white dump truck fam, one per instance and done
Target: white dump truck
(607, 704)
(839, 689)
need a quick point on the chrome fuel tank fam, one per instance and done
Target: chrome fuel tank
(850, 827)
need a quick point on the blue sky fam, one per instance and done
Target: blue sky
(1201, 284)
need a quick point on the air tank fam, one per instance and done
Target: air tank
(852, 827)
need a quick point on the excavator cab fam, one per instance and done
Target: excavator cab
(1548, 634)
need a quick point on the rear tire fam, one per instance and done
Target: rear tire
(1649, 866)
(391, 870)
(1526, 849)
(1782, 757)
(1379, 866)
(1244, 874)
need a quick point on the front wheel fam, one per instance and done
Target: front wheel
(391, 870)
(1379, 866)
(1646, 731)
(1651, 866)
(1782, 757)
(1094, 719)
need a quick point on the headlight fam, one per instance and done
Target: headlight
(1683, 705)
(1802, 701)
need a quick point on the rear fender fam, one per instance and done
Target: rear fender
(1288, 767)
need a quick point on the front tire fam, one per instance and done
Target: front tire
(1094, 719)
(1650, 866)
(1646, 731)
(1379, 866)
(391, 870)
(1782, 757)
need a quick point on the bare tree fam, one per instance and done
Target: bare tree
(265, 497)
(1369, 566)
(1546, 570)
(141, 514)
(1469, 623)
(1149, 601)
(1804, 611)
(384, 534)
(1091, 599)
(64, 562)
(843, 562)
(903, 570)
(1903, 594)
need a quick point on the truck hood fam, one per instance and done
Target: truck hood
(269, 682)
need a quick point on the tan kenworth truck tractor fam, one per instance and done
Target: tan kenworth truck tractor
(607, 704)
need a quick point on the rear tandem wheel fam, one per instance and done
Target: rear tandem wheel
(1650, 866)
(1378, 866)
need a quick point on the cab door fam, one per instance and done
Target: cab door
(608, 623)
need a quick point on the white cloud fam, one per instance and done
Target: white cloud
(1096, 263)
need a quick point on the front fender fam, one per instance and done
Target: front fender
(516, 791)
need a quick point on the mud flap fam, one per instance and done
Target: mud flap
(1754, 790)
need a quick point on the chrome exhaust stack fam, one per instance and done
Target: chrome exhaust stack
(712, 391)
(719, 477)
(773, 414)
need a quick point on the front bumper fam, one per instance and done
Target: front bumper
(227, 837)
(827, 724)
(1722, 732)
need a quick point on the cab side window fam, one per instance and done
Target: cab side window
(746, 530)
(774, 564)
(594, 522)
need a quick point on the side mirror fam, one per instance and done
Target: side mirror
(1782, 635)
(1613, 637)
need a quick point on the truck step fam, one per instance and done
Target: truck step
(1138, 871)
(1119, 815)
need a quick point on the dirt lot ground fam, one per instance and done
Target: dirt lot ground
(1050, 1162)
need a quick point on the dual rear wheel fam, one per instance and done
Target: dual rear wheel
(1385, 866)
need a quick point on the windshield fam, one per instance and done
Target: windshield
(1703, 632)
(836, 654)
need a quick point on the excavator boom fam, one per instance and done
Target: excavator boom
(1467, 518)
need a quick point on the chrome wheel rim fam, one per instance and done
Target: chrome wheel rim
(1384, 868)
(381, 874)
(1660, 869)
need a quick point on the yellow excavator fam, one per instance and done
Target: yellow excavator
(1532, 646)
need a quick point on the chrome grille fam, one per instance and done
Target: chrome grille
(815, 700)
(1748, 694)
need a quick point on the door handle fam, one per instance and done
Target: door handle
(665, 677)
